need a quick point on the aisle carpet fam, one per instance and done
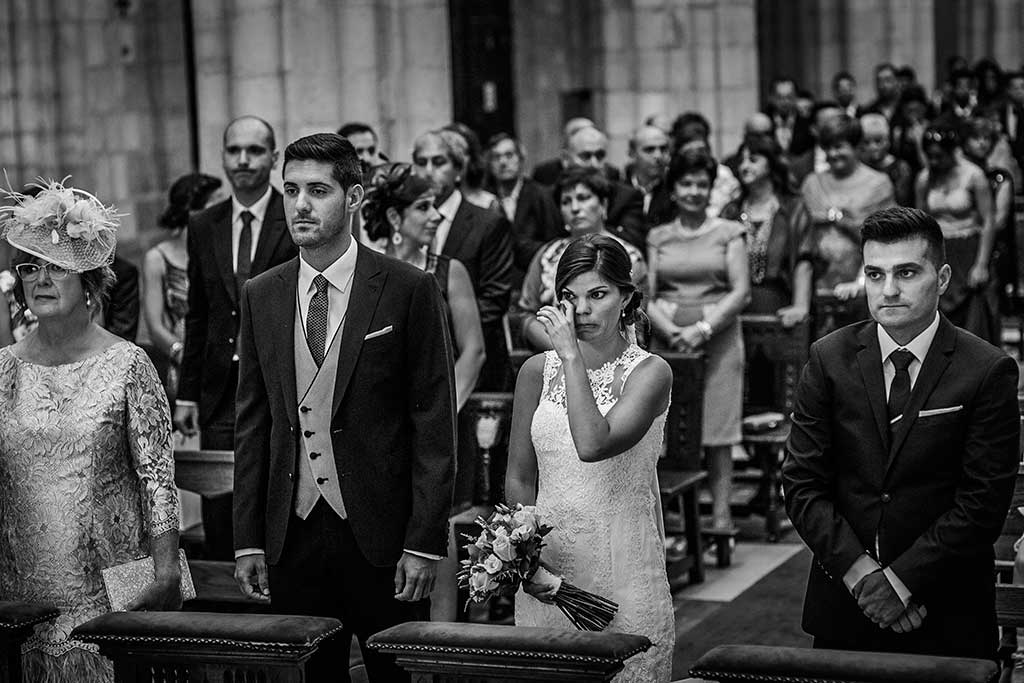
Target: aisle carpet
(767, 613)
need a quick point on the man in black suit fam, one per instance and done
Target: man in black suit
(547, 172)
(901, 461)
(345, 439)
(527, 204)
(121, 314)
(792, 131)
(649, 152)
(227, 243)
(887, 93)
(479, 239)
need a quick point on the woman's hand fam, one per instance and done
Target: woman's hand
(558, 322)
(847, 290)
(162, 595)
(790, 316)
(978, 276)
(543, 585)
(688, 338)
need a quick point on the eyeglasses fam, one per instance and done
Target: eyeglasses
(29, 272)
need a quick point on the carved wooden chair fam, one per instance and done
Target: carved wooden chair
(17, 621)
(829, 312)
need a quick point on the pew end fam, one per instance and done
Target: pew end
(17, 622)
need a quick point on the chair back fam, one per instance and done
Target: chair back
(484, 424)
(775, 356)
(830, 312)
(683, 425)
(208, 473)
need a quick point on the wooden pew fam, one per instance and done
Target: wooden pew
(679, 471)
(17, 622)
(158, 647)
(485, 653)
(775, 356)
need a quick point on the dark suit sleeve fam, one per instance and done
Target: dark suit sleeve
(989, 467)
(122, 314)
(808, 474)
(431, 405)
(196, 319)
(495, 285)
(252, 439)
(626, 218)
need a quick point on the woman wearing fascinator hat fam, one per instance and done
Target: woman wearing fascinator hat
(86, 466)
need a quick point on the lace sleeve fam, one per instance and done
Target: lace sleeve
(149, 443)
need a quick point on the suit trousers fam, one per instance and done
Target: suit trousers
(218, 434)
(322, 572)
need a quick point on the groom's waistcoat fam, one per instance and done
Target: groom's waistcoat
(317, 471)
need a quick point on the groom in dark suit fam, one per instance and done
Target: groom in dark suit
(901, 461)
(345, 431)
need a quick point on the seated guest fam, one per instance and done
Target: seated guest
(649, 154)
(914, 115)
(777, 224)
(963, 96)
(814, 160)
(989, 78)
(477, 238)
(527, 204)
(758, 125)
(547, 172)
(694, 136)
(700, 284)
(887, 92)
(874, 151)
(86, 467)
(958, 195)
(364, 138)
(583, 198)
(844, 92)
(839, 200)
(472, 180)
(792, 131)
(1000, 151)
(901, 460)
(165, 275)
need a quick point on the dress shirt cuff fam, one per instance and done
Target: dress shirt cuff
(417, 554)
(242, 552)
(864, 565)
(186, 404)
(901, 589)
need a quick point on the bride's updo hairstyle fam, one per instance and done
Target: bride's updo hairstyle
(390, 186)
(606, 257)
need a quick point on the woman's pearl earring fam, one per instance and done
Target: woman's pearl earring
(88, 300)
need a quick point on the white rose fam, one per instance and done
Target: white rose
(500, 532)
(526, 516)
(503, 548)
(478, 580)
(522, 533)
(493, 564)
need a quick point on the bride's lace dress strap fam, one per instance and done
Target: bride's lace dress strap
(555, 394)
(631, 358)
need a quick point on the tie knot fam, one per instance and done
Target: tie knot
(901, 359)
(247, 217)
(321, 284)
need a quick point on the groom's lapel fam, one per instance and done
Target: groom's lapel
(366, 289)
(283, 306)
(869, 360)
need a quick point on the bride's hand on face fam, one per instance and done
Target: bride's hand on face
(558, 322)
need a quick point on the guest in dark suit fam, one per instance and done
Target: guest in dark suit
(345, 442)
(887, 93)
(649, 152)
(121, 314)
(792, 131)
(227, 244)
(526, 203)
(547, 172)
(901, 461)
(476, 237)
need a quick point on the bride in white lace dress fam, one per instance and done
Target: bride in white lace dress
(587, 431)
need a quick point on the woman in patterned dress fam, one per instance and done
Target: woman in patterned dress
(587, 425)
(86, 467)
(165, 275)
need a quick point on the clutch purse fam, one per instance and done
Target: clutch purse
(125, 582)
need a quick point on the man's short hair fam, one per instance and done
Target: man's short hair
(907, 72)
(329, 148)
(355, 128)
(901, 223)
(271, 139)
(688, 126)
(842, 76)
(840, 129)
(885, 66)
(493, 141)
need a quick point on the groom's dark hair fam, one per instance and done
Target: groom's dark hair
(901, 223)
(330, 148)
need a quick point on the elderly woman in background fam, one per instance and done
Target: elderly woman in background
(86, 468)
(582, 195)
(958, 195)
(839, 200)
(700, 283)
(777, 223)
(874, 151)
(165, 275)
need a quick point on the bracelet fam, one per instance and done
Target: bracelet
(176, 349)
(704, 327)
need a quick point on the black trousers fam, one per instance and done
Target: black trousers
(218, 434)
(322, 572)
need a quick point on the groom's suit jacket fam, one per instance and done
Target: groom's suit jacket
(927, 501)
(393, 424)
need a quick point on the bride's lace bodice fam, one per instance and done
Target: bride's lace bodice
(606, 538)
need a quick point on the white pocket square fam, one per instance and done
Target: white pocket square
(940, 411)
(379, 333)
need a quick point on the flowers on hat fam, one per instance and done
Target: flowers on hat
(64, 225)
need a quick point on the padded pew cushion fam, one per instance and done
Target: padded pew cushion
(15, 615)
(267, 632)
(728, 663)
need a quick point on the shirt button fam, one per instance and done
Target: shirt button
(289, 475)
(308, 433)
(321, 480)
(231, 340)
(314, 456)
(304, 409)
(886, 497)
(234, 313)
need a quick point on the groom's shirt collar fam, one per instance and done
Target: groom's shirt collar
(918, 346)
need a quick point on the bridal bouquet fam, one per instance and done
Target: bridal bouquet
(507, 552)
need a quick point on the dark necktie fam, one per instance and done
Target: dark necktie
(244, 264)
(316, 320)
(899, 392)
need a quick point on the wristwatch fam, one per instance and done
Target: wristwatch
(834, 214)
